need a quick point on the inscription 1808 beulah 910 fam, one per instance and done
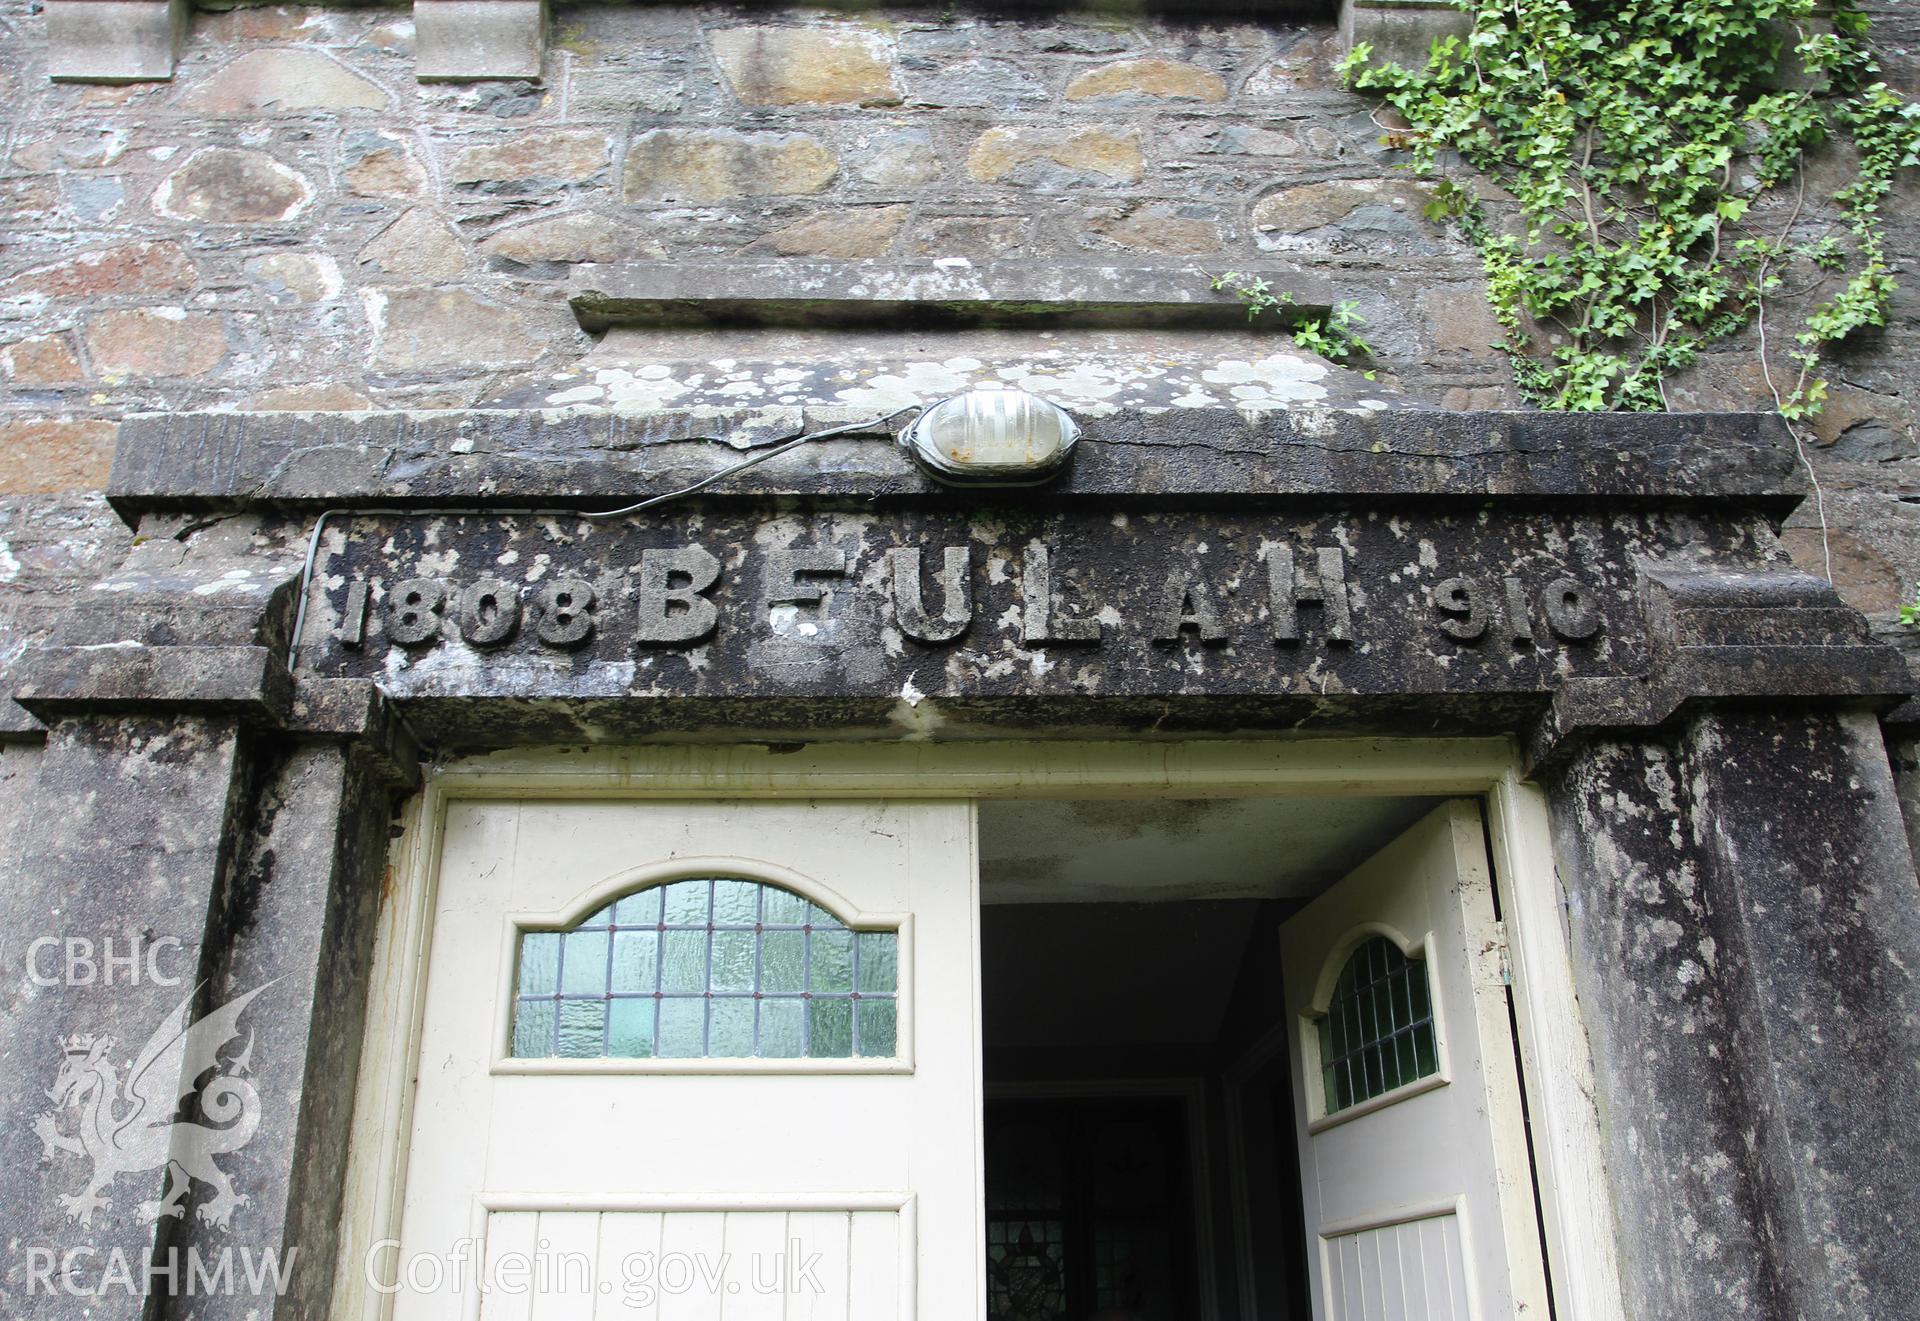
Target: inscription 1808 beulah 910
(671, 603)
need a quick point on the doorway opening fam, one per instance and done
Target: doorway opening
(1143, 1128)
(1175, 1032)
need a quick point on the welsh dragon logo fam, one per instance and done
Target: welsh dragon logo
(127, 1126)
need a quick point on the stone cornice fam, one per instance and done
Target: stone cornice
(1029, 293)
(1720, 636)
(138, 41)
(598, 459)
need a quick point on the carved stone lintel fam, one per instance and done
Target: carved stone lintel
(1519, 613)
(1290, 587)
(565, 612)
(909, 602)
(1189, 604)
(1462, 606)
(669, 595)
(789, 569)
(413, 610)
(1570, 610)
(1044, 621)
(352, 631)
(489, 612)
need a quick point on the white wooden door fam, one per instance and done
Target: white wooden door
(701, 1059)
(1419, 1197)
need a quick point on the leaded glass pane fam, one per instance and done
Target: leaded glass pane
(730, 1027)
(683, 1027)
(784, 908)
(533, 1027)
(1377, 1034)
(877, 952)
(733, 953)
(876, 1024)
(629, 1028)
(783, 961)
(708, 968)
(583, 963)
(583, 1026)
(688, 903)
(830, 963)
(540, 963)
(641, 908)
(735, 903)
(636, 962)
(829, 1028)
(684, 968)
(783, 1027)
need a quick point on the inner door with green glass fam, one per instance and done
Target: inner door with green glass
(697, 1059)
(1089, 1209)
(1418, 1193)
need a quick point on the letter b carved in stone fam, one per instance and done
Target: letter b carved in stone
(672, 607)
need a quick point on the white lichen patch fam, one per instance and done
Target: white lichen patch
(918, 383)
(1087, 382)
(1279, 380)
(233, 580)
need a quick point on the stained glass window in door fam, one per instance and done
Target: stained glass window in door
(708, 968)
(1377, 1034)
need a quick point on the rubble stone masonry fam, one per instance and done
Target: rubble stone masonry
(295, 221)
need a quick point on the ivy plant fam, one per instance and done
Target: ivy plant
(1333, 334)
(1642, 184)
(1910, 610)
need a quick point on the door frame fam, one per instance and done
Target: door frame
(1581, 1235)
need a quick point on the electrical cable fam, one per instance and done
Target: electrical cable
(772, 450)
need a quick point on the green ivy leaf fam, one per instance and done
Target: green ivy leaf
(1638, 142)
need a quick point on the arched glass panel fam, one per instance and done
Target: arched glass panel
(1378, 1031)
(707, 969)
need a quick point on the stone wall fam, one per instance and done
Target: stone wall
(1866, 447)
(296, 222)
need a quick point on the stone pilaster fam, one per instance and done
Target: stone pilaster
(1742, 906)
(1400, 31)
(471, 40)
(125, 832)
(115, 41)
(1746, 941)
(297, 918)
(199, 841)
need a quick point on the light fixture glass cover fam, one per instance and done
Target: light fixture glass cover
(992, 437)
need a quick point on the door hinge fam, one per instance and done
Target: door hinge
(1504, 952)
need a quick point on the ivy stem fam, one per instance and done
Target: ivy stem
(1799, 444)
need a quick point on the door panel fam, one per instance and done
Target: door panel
(851, 1270)
(838, 1186)
(1417, 1191)
(1390, 1272)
